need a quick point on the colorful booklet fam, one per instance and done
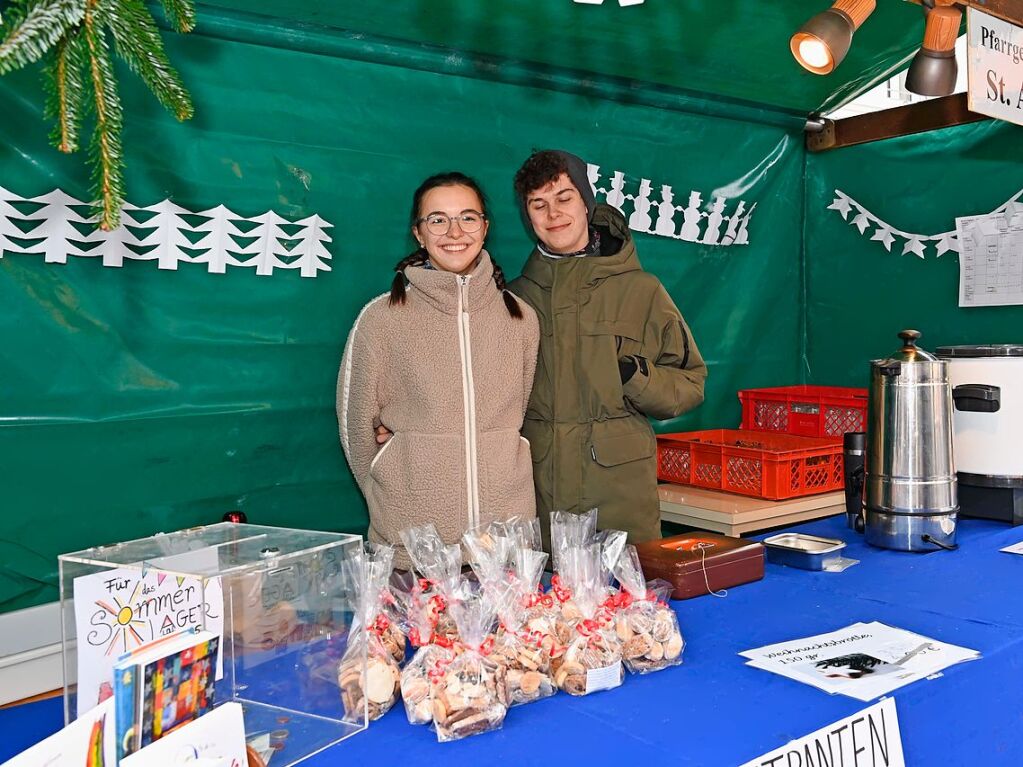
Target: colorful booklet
(162, 686)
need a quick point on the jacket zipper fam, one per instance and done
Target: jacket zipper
(469, 405)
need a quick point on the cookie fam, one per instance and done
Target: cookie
(575, 684)
(380, 679)
(624, 630)
(530, 684)
(673, 647)
(664, 627)
(637, 647)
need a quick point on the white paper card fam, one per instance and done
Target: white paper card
(216, 736)
(1016, 548)
(90, 734)
(870, 737)
(863, 661)
(119, 610)
(605, 678)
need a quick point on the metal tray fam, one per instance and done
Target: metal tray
(808, 552)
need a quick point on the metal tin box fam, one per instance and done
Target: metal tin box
(808, 552)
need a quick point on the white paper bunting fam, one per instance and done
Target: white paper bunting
(885, 236)
(705, 222)
(58, 226)
(915, 244)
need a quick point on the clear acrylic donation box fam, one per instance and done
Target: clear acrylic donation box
(281, 600)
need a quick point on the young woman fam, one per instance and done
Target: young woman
(435, 378)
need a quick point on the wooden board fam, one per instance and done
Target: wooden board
(737, 515)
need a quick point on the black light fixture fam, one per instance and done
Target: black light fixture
(933, 70)
(822, 42)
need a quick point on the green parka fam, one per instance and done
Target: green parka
(591, 441)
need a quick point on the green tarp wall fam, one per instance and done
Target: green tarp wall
(136, 400)
(859, 295)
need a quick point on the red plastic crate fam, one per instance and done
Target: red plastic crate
(808, 411)
(761, 464)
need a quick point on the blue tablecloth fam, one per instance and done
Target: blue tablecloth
(713, 711)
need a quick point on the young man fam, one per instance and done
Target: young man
(613, 350)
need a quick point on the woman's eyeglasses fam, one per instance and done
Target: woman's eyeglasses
(439, 224)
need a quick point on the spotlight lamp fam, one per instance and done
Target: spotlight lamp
(933, 70)
(822, 42)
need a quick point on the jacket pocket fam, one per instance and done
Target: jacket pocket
(380, 453)
(621, 478)
(415, 479)
(620, 441)
(630, 330)
(601, 344)
(506, 476)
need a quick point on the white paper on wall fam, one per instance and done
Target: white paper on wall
(714, 220)
(991, 258)
(60, 226)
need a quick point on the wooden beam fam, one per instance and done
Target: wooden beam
(1007, 10)
(923, 116)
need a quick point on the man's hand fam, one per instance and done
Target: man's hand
(383, 434)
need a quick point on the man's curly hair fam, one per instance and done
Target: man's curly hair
(541, 168)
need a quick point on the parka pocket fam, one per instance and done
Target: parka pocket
(601, 344)
(620, 441)
(628, 334)
(621, 478)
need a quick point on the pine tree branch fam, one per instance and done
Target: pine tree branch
(106, 150)
(40, 25)
(138, 42)
(66, 86)
(181, 14)
(74, 33)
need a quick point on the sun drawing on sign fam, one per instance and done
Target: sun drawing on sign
(123, 620)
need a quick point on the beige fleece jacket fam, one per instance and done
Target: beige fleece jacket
(449, 373)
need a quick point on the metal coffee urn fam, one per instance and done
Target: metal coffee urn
(910, 496)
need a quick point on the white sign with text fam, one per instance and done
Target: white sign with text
(870, 738)
(994, 55)
(119, 610)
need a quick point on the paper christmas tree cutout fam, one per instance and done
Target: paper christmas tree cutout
(61, 227)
